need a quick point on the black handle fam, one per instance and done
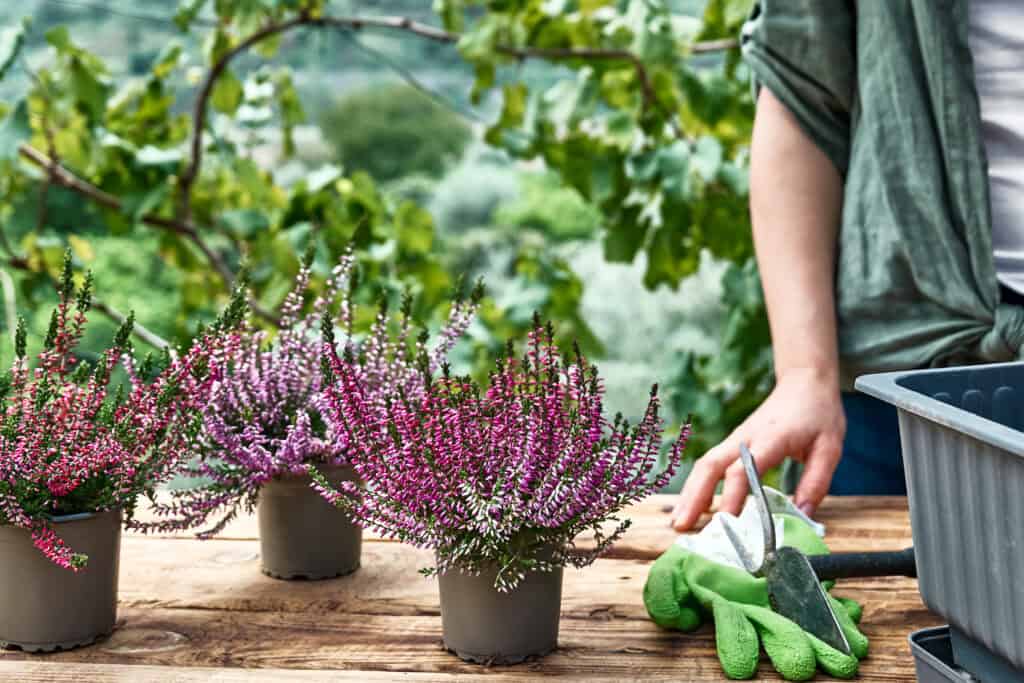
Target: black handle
(863, 565)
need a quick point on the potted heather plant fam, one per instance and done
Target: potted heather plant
(76, 450)
(263, 428)
(499, 482)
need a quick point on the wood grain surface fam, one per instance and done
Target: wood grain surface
(201, 611)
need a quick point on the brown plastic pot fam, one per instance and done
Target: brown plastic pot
(482, 625)
(44, 607)
(302, 536)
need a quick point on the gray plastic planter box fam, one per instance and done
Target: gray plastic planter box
(962, 432)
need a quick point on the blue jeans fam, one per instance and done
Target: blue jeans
(872, 462)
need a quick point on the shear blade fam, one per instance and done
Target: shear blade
(796, 593)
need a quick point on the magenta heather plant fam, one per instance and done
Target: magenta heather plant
(72, 443)
(264, 417)
(508, 476)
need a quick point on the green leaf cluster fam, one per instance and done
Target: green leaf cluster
(645, 133)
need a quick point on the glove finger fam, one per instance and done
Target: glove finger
(832, 661)
(667, 596)
(857, 640)
(736, 640)
(853, 608)
(787, 645)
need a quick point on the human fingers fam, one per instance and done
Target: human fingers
(767, 452)
(819, 466)
(699, 489)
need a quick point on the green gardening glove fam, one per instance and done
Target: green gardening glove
(683, 587)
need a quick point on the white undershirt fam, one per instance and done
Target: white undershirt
(997, 46)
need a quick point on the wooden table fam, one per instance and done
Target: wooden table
(202, 611)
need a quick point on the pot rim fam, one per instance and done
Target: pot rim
(293, 477)
(81, 516)
(73, 517)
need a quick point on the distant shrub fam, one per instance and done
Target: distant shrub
(549, 207)
(467, 197)
(392, 131)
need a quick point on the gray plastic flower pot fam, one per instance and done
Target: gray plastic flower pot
(482, 625)
(302, 536)
(44, 607)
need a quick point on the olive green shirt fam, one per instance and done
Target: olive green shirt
(886, 89)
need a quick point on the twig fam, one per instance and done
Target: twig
(138, 330)
(65, 178)
(554, 54)
(719, 45)
(410, 78)
(191, 172)
(10, 302)
(51, 144)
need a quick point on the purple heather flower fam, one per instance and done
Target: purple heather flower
(508, 476)
(265, 417)
(71, 443)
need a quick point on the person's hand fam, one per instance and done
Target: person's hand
(802, 418)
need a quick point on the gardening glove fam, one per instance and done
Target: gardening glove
(684, 585)
(668, 598)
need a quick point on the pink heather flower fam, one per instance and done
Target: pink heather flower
(71, 443)
(264, 418)
(506, 476)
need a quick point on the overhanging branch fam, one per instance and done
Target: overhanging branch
(60, 175)
(182, 223)
(199, 113)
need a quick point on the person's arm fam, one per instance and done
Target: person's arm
(795, 203)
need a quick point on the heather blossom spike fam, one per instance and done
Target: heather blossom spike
(74, 440)
(264, 419)
(507, 476)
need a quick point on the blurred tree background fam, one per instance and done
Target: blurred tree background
(588, 158)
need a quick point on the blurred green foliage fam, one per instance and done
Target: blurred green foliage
(392, 131)
(551, 208)
(645, 154)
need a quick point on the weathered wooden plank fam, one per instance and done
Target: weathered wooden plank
(193, 610)
(854, 523)
(41, 671)
(217, 575)
(590, 649)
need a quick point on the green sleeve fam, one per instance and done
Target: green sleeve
(804, 52)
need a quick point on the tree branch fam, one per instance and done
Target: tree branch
(65, 178)
(191, 172)
(182, 224)
(719, 45)
(554, 54)
(139, 330)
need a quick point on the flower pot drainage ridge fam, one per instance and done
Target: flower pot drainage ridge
(944, 655)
